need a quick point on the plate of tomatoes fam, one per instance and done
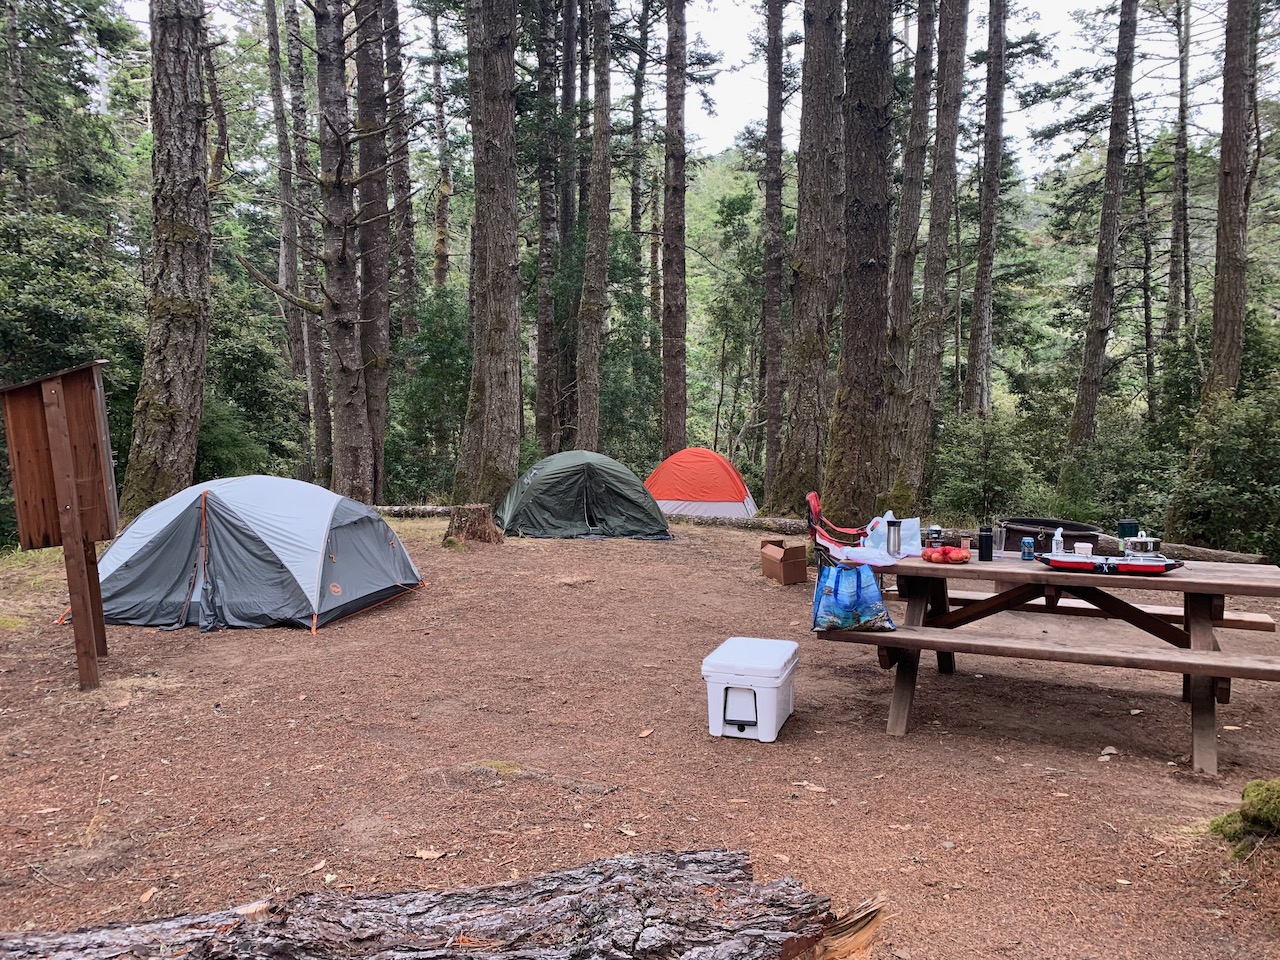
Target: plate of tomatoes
(946, 555)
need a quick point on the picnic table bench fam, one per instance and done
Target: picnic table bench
(1191, 648)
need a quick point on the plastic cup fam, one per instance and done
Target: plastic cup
(997, 541)
(1084, 549)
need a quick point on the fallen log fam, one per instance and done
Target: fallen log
(785, 525)
(663, 904)
(414, 510)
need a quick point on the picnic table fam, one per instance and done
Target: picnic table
(1189, 632)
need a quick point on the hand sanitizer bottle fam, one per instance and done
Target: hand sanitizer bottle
(1057, 541)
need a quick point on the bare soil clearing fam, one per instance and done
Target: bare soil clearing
(539, 704)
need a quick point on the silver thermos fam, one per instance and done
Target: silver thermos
(893, 538)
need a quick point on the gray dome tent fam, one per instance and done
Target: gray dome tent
(252, 552)
(580, 494)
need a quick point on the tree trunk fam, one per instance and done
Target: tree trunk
(1148, 257)
(816, 263)
(404, 260)
(17, 96)
(977, 396)
(568, 114)
(1179, 303)
(926, 364)
(591, 309)
(489, 456)
(674, 293)
(304, 196)
(915, 152)
(643, 28)
(166, 414)
(472, 521)
(546, 362)
(773, 267)
(864, 378)
(352, 452)
(712, 906)
(444, 161)
(287, 266)
(584, 115)
(217, 110)
(1233, 211)
(1101, 303)
(373, 234)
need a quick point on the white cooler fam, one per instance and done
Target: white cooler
(750, 687)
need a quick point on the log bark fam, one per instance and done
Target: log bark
(661, 904)
(472, 521)
(674, 288)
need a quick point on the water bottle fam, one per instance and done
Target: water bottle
(985, 540)
(1057, 541)
(893, 538)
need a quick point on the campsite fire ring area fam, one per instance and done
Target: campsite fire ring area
(538, 704)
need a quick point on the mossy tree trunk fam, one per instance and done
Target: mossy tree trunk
(352, 452)
(815, 267)
(489, 456)
(855, 444)
(1084, 417)
(595, 275)
(674, 290)
(373, 230)
(927, 336)
(304, 194)
(170, 401)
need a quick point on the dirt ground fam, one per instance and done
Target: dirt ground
(540, 704)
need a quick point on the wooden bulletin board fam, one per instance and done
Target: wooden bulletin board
(64, 487)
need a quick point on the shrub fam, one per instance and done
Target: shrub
(1228, 494)
(979, 467)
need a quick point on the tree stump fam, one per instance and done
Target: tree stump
(473, 521)
(650, 905)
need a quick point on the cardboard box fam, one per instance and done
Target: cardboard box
(782, 563)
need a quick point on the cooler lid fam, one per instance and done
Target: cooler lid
(751, 657)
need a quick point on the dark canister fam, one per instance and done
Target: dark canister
(1126, 528)
(984, 543)
(935, 536)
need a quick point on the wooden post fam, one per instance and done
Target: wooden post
(64, 488)
(82, 573)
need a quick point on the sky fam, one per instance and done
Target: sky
(740, 88)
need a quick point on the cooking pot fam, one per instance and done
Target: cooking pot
(1142, 543)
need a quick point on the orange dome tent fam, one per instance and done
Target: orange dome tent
(699, 482)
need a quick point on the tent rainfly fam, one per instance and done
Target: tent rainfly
(699, 482)
(580, 494)
(252, 552)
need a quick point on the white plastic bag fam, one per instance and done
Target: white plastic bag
(878, 532)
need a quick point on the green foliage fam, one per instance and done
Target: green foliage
(1228, 494)
(226, 447)
(65, 298)
(428, 405)
(979, 469)
(631, 367)
(61, 149)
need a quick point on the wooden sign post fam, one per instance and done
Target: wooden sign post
(65, 489)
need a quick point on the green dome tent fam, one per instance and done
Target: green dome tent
(580, 494)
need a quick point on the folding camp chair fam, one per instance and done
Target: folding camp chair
(828, 539)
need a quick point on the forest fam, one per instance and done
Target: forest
(405, 250)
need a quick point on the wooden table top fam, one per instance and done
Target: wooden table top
(1198, 576)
